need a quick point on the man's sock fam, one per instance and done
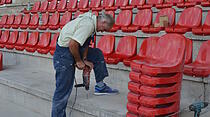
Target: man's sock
(100, 84)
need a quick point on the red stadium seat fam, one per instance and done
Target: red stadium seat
(171, 47)
(53, 43)
(3, 20)
(106, 44)
(188, 54)
(76, 14)
(142, 19)
(8, 1)
(44, 6)
(12, 40)
(189, 18)
(124, 19)
(65, 19)
(44, 42)
(4, 38)
(25, 21)
(133, 97)
(95, 5)
(62, 6)
(129, 114)
(52, 6)
(83, 5)
(118, 4)
(34, 22)
(190, 3)
(134, 3)
(31, 44)
(146, 49)
(72, 5)
(34, 9)
(133, 108)
(107, 4)
(54, 21)
(153, 3)
(170, 3)
(201, 66)
(2, 2)
(205, 29)
(126, 48)
(18, 19)
(169, 12)
(21, 41)
(10, 21)
(44, 21)
(205, 3)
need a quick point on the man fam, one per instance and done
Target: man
(72, 50)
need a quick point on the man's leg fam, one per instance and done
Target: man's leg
(95, 56)
(64, 84)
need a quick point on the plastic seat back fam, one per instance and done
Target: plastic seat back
(108, 3)
(148, 46)
(8, 1)
(22, 38)
(3, 19)
(65, 18)
(154, 2)
(207, 20)
(72, 4)
(36, 6)
(174, 1)
(137, 2)
(124, 18)
(204, 53)
(4, 36)
(196, 0)
(33, 39)
(143, 18)
(26, 19)
(188, 54)
(190, 17)
(170, 12)
(77, 14)
(18, 19)
(62, 4)
(34, 19)
(13, 37)
(95, 3)
(83, 4)
(2, 2)
(45, 18)
(127, 46)
(54, 41)
(44, 40)
(10, 19)
(106, 44)
(54, 19)
(44, 5)
(120, 3)
(170, 49)
(52, 5)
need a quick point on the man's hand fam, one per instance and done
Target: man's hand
(80, 65)
(89, 64)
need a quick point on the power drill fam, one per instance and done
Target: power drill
(196, 107)
(86, 78)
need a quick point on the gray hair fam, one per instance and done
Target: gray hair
(108, 18)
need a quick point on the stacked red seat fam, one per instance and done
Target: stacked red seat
(25, 21)
(34, 22)
(43, 23)
(52, 45)
(65, 19)
(21, 41)
(31, 45)
(95, 5)
(43, 7)
(201, 66)
(83, 5)
(18, 19)
(72, 5)
(156, 80)
(3, 20)
(12, 40)
(4, 38)
(44, 42)
(10, 21)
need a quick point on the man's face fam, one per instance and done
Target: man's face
(104, 27)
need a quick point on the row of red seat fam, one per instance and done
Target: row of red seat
(31, 42)
(126, 52)
(34, 21)
(2, 2)
(189, 20)
(97, 5)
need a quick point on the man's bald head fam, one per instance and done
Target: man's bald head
(105, 22)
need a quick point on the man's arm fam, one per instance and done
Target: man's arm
(88, 63)
(74, 49)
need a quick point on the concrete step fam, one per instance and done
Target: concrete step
(33, 89)
(10, 109)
